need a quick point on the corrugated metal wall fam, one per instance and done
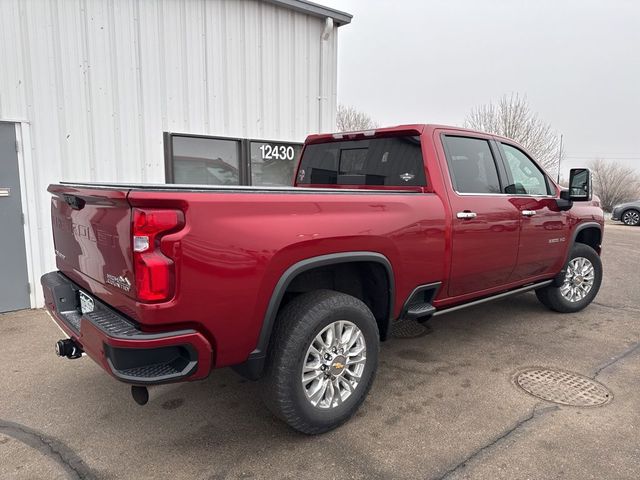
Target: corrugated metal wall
(98, 81)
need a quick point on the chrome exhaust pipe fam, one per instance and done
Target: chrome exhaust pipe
(68, 348)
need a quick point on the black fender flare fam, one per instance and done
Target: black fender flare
(254, 365)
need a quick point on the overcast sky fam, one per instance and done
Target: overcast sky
(577, 62)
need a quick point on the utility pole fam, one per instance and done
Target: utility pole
(560, 157)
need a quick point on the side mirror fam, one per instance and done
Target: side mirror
(580, 189)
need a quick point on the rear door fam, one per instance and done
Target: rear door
(92, 237)
(485, 221)
(543, 227)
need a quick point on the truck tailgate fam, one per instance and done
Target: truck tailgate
(92, 235)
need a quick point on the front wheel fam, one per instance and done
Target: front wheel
(631, 218)
(581, 282)
(321, 361)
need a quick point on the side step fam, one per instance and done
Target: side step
(418, 310)
(526, 288)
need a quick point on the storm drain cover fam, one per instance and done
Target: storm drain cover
(562, 387)
(409, 329)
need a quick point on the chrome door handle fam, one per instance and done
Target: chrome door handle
(466, 215)
(528, 213)
(5, 192)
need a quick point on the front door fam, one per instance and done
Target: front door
(485, 223)
(544, 228)
(14, 287)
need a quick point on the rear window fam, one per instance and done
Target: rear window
(391, 161)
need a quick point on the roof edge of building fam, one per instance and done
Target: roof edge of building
(310, 8)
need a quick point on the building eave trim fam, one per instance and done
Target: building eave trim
(310, 8)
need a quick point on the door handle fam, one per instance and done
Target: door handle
(528, 213)
(5, 192)
(466, 215)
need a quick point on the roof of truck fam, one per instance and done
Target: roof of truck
(408, 129)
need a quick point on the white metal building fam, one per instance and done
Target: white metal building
(100, 90)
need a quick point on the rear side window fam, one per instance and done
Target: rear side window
(471, 165)
(391, 161)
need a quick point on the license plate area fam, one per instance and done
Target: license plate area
(87, 304)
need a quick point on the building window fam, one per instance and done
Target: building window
(202, 160)
(207, 161)
(273, 163)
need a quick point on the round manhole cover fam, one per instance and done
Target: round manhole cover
(562, 387)
(409, 329)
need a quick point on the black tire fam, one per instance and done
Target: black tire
(297, 326)
(631, 217)
(551, 296)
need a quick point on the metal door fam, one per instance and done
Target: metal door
(485, 224)
(14, 286)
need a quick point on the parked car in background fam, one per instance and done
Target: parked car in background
(627, 213)
(298, 285)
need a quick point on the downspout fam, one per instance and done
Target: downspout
(326, 33)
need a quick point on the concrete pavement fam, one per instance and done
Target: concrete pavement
(443, 405)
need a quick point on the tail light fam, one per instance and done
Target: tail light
(154, 271)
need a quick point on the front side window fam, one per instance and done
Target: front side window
(528, 179)
(205, 161)
(390, 161)
(471, 165)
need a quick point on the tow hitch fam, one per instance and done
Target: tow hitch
(68, 348)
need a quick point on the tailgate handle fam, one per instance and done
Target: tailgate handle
(74, 202)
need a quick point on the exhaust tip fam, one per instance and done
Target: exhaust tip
(140, 394)
(68, 348)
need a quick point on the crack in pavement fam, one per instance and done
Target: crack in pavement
(535, 413)
(50, 447)
(617, 307)
(615, 359)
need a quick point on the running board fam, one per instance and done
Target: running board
(526, 288)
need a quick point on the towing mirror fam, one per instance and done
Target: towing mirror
(580, 185)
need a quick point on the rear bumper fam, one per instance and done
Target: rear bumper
(119, 346)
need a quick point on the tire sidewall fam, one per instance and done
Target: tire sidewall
(368, 327)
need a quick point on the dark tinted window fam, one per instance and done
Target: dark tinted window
(392, 161)
(471, 164)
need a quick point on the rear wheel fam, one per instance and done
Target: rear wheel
(631, 218)
(322, 360)
(581, 282)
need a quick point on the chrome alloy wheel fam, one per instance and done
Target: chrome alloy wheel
(631, 218)
(334, 364)
(579, 279)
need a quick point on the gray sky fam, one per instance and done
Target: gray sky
(426, 61)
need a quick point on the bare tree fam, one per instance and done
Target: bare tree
(512, 117)
(350, 120)
(614, 183)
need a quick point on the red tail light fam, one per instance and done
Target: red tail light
(154, 271)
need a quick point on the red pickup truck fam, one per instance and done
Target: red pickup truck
(297, 286)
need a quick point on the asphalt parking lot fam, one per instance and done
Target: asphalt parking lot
(444, 405)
